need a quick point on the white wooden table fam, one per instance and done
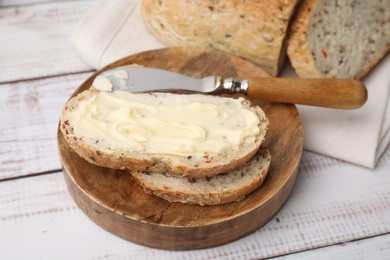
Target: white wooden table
(336, 210)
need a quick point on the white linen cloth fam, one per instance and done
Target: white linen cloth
(111, 30)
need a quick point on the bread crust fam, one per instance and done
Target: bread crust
(254, 30)
(372, 64)
(302, 56)
(165, 190)
(298, 49)
(153, 162)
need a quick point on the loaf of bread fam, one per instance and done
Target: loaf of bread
(340, 39)
(215, 190)
(184, 135)
(254, 30)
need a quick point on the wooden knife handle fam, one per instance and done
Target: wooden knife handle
(333, 93)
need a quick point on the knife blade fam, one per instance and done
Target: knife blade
(332, 93)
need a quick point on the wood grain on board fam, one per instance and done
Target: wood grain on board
(114, 201)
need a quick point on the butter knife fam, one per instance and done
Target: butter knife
(332, 93)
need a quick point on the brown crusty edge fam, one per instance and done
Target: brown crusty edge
(372, 64)
(298, 50)
(254, 30)
(215, 198)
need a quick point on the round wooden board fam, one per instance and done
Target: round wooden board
(115, 202)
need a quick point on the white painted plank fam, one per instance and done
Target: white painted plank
(37, 42)
(29, 114)
(38, 216)
(6, 3)
(370, 248)
(332, 203)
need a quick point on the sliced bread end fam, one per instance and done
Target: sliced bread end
(339, 39)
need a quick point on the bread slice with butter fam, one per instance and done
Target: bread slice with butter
(215, 190)
(185, 135)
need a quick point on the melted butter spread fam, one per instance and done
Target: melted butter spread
(165, 123)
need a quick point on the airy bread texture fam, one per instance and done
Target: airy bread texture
(254, 30)
(339, 39)
(220, 189)
(100, 152)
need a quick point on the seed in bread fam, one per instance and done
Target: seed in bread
(187, 135)
(339, 39)
(254, 30)
(215, 190)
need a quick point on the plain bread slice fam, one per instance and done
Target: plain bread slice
(219, 189)
(339, 39)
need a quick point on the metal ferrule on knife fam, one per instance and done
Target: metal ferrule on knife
(232, 86)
